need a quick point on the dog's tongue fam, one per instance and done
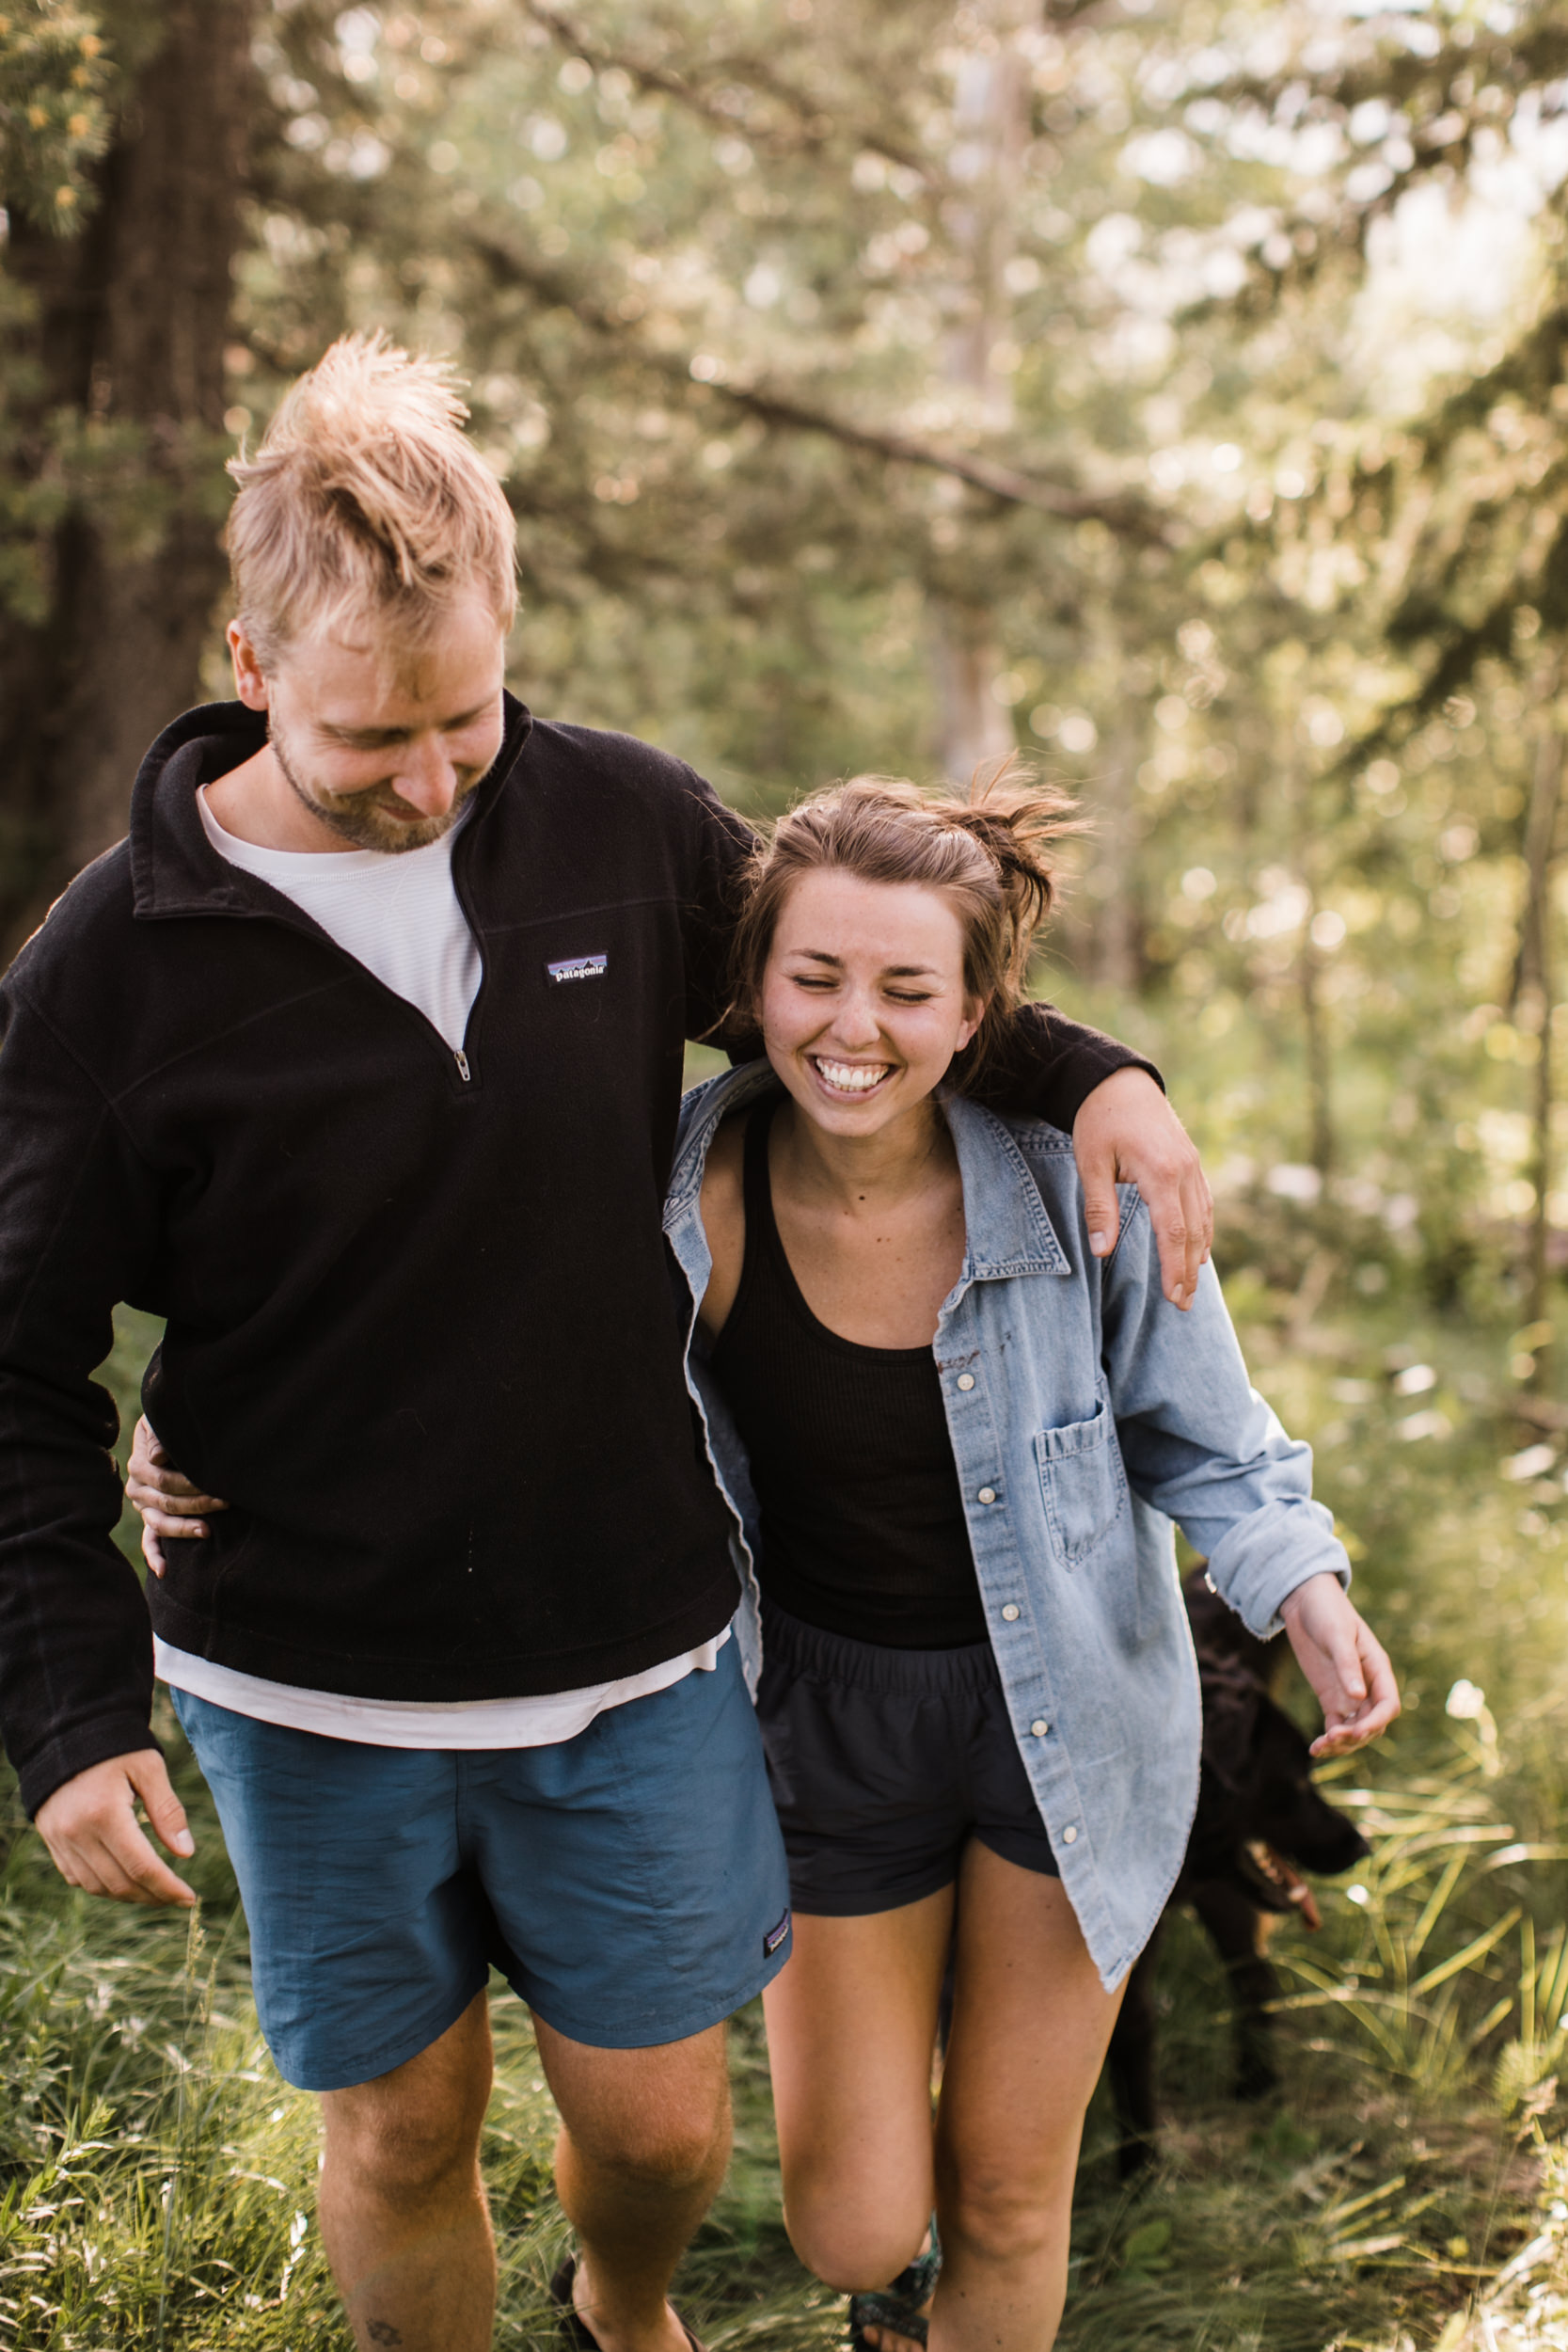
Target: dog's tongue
(1288, 1879)
(1299, 1893)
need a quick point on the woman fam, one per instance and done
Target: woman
(950, 1435)
(977, 1688)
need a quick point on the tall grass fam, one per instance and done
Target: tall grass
(1405, 2191)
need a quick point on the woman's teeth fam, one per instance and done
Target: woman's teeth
(852, 1077)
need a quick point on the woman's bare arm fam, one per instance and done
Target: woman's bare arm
(724, 1214)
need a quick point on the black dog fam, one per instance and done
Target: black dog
(1258, 1817)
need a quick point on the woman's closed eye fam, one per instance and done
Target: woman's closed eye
(820, 983)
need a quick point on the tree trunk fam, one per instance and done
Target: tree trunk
(129, 332)
(991, 114)
(1320, 1068)
(1532, 996)
(976, 732)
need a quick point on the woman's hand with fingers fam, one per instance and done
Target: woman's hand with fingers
(170, 1507)
(1345, 1663)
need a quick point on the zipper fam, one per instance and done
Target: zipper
(291, 917)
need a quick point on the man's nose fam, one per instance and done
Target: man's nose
(427, 779)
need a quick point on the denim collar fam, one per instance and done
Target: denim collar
(1008, 1230)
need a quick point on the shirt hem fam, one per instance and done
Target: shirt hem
(547, 1719)
(451, 1679)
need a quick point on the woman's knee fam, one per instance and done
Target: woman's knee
(998, 2218)
(854, 2243)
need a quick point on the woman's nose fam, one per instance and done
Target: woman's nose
(856, 1025)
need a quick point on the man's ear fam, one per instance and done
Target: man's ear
(250, 681)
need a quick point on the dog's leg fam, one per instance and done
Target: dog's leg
(1236, 1926)
(1130, 2061)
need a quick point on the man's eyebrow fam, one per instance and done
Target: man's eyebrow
(372, 738)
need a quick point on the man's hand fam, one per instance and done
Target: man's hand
(169, 1504)
(91, 1828)
(1127, 1133)
(1346, 1665)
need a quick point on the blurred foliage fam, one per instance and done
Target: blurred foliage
(55, 83)
(1248, 506)
(1196, 375)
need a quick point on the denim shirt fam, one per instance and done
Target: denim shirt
(1085, 1415)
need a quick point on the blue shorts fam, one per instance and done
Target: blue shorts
(630, 1883)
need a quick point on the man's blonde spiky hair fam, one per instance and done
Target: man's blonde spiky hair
(365, 498)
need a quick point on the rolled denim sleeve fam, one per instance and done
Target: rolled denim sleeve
(1198, 1441)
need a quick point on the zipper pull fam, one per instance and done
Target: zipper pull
(462, 1060)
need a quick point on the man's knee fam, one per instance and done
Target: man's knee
(404, 2157)
(668, 2152)
(656, 2119)
(406, 2135)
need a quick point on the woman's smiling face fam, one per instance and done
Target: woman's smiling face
(863, 1004)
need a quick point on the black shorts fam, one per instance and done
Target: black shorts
(884, 1763)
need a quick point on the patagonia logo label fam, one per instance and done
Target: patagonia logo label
(775, 1937)
(578, 968)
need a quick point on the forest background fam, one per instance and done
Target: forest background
(1178, 392)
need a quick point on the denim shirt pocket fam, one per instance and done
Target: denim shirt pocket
(1084, 1483)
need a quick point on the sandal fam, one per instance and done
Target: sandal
(574, 2328)
(901, 2306)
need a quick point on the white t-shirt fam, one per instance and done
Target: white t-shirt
(399, 914)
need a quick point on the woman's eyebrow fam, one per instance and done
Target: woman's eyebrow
(889, 972)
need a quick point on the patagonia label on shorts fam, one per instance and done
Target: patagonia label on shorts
(775, 1937)
(578, 968)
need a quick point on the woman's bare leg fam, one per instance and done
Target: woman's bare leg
(851, 2027)
(1031, 2022)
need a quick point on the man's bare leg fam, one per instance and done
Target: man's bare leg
(644, 2140)
(404, 2217)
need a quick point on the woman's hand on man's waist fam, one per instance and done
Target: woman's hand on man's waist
(170, 1505)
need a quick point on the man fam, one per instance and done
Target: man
(359, 1062)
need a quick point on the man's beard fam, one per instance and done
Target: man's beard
(360, 819)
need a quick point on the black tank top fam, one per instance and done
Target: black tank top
(863, 1522)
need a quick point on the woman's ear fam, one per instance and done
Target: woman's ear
(974, 1012)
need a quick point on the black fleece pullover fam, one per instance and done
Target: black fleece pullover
(419, 1326)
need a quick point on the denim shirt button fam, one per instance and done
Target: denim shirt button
(966, 1381)
(1010, 1612)
(1070, 1837)
(988, 1494)
(1039, 1728)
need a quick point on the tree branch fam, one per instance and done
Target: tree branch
(1122, 511)
(816, 124)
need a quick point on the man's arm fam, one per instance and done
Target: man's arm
(1112, 1102)
(77, 1217)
